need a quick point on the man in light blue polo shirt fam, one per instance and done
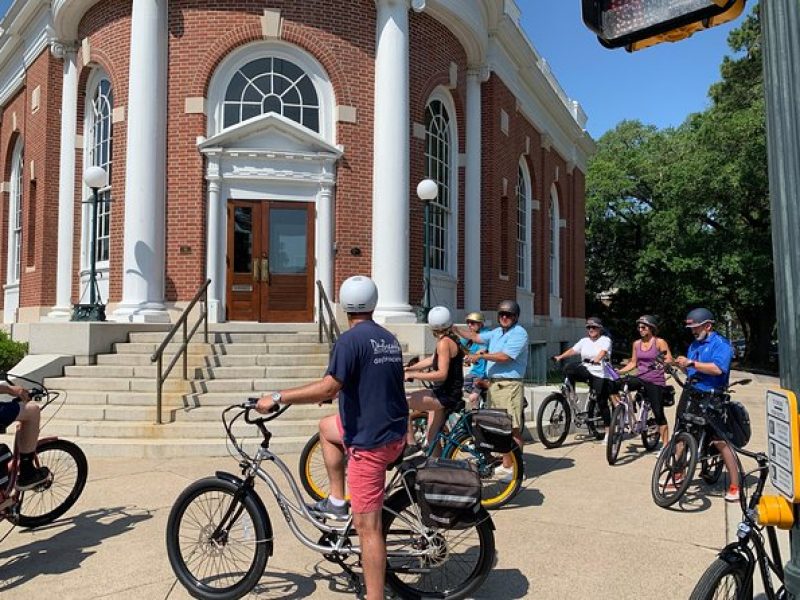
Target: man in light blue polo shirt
(507, 361)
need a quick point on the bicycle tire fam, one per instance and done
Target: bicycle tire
(69, 469)
(616, 433)
(201, 519)
(594, 420)
(494, 493)
(411, 577)
(668, 464)
(724, 577)
(651, 435)
(553, 420)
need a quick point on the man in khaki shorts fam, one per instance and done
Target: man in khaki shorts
(507, 361)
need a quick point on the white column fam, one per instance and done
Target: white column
(325, 221)
(472, 193)
(390, 186)
(66, 185)
(145, 168)
(216, 247)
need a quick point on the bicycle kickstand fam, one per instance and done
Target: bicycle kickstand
(353, 578)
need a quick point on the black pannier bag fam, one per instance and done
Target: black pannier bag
(737, 420)
(448, 493)
(492, 430)
(668, 396)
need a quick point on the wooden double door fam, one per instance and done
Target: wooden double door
(270, 261)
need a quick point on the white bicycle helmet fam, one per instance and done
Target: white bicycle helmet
(439, 318)
(358, 294)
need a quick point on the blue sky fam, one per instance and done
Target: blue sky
(660, 85)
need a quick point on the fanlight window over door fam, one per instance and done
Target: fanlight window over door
(271, 85)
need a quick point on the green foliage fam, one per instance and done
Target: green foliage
(11, 352)
(680, 217)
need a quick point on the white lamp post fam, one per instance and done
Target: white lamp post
(427, 190)
(95, 178)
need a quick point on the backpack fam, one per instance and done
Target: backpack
(737, 420)
(448, 493)
(491, 428)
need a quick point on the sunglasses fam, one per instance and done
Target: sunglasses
(592, 327)
(474, 323)
(643, 327)
(505, 315)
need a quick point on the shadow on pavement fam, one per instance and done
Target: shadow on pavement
(537, 465)
(632, 453)
(288, 586)
(504, 583)
(67, 547)
(525, 497)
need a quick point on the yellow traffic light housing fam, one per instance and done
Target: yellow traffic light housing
(776, 511)
(637, 24)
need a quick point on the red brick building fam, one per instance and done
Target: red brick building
(270, 144)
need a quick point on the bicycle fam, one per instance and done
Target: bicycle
(631, 416)
(219, 534)
(731, 574)
(691, 443)
(455, 441)
(560, 409)
(65, 461)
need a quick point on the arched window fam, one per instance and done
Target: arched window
(524, 233)
(271, 85)
(438, 166)
(15, 216)
(99, 153)
(555, 240)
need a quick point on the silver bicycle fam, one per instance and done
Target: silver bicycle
(220, 536)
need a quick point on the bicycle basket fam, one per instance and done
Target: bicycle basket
(668, 396)
(737, 423)
(448, 493)
(492, 430)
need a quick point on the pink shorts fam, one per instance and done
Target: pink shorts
(366, 473)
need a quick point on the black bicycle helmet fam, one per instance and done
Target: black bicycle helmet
(699, 316)
(509, 306)
(594, 322)
(649, 320)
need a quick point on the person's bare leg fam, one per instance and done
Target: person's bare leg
(664, 429)
(28, 434)
(421, 400)
(373, 552)
(333, 454)
(730, 462)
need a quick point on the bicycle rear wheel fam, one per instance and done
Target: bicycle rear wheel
(552, 420)
(217, 541)
(312, 472)
(711, 469)
(594, 420)
(496, 490)
(458, 562)
(674, 469)
(68, 472)
(724, 580)
(651, 435)
(616, 433)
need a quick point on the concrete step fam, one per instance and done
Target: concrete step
(179, 448)
(148, 349)
(243, 385)
(258, 372)
(143, 360)
(136, 372)
(176, 430)
(204, 410)
(303, 348)
(117, 398)
(267, 360)
(231, 337)
(112, 384)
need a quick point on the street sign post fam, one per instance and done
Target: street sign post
(783, 443)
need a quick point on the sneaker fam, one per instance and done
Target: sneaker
(33, 478)
(326, 508)
(413, 451)
(732, 495)
(504, 474)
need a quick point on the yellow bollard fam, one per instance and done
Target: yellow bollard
(775, 510)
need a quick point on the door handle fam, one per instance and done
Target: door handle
(255, 269)
(265, 270)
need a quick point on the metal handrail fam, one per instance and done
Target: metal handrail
(330, 327)
(158, 355)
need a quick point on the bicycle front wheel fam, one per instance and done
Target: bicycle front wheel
(674, 469)
(724, 580)
(217, 542)
(496, 488)
(68, 472)
(616, 433)
(552, 421)
(456, 564)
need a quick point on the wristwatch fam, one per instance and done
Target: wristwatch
(690, 365)
(276, 399)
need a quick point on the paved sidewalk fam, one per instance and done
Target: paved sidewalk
(579, 528)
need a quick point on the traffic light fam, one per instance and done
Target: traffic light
(636, 24)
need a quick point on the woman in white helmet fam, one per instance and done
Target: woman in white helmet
(446, 371)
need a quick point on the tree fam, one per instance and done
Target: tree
(680, 217)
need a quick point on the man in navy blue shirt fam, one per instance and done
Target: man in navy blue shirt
(366, 371)
(707, 365)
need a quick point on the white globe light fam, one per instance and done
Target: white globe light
(427, 189)
(95, 177)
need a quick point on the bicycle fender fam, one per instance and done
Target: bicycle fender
(262, 510)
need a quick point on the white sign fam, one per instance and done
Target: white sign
(780, 416)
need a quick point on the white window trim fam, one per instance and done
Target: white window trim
(263, 49)
(526, 175)
(15, 200)
(555, 247)
(444, 96)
